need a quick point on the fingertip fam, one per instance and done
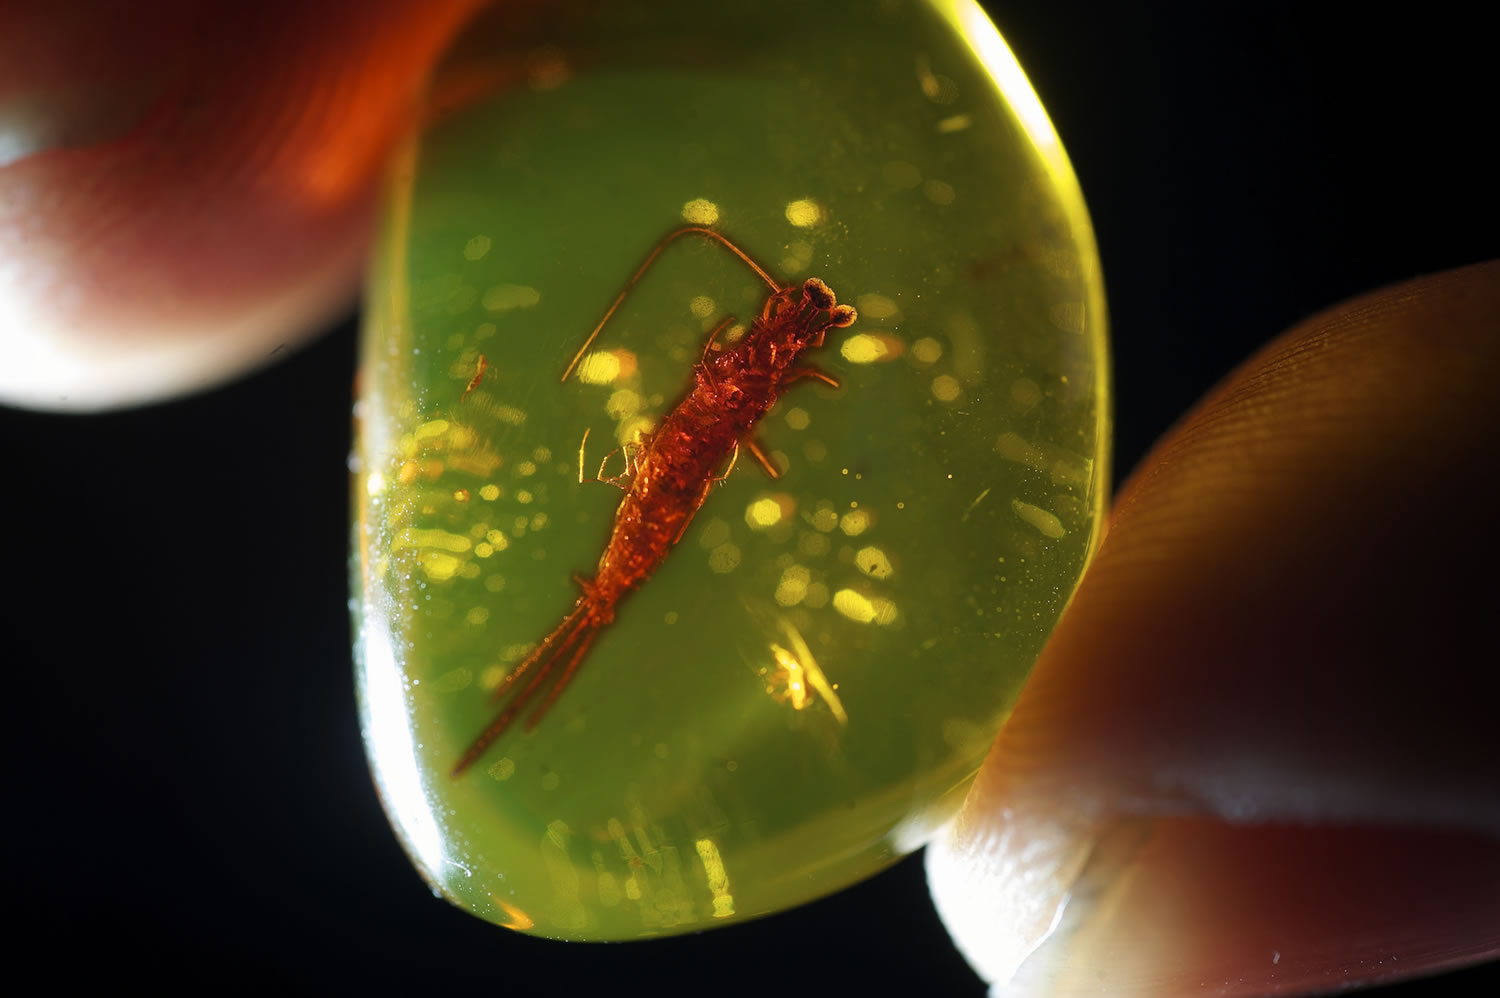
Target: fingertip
(1271, 664)
(191, 193)
(1169, 907)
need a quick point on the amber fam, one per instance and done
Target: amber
(803, 689)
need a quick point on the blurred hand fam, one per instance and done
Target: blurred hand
(186, 189)
(1256, 756)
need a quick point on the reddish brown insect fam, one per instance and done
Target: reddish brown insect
(672, 472)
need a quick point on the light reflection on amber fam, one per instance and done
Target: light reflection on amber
(718, 878)
(515, 918)
(797, 675)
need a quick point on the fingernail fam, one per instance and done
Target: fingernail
(1169, 906)
(1015, 884)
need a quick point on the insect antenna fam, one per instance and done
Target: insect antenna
(650, 259)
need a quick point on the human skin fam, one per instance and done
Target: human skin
(1256, 750)
(1250, 754)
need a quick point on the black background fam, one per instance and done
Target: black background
(187, 798)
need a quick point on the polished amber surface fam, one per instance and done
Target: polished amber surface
(801, 691)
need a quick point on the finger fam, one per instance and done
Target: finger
(185, 192)
(1258, 723)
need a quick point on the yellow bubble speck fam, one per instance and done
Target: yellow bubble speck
(862, 348)
(798, 419)
(938, 192)
(717, 877)
(954, 123)
(873, 306)
(702, 306)
(792, 587)
(715, 532)
(805, 213)
(550, 781)
(813, 545)
(700, 211)
(476, 616)
(440, 539)
(438, 566)
(1046, 524)
(864, 609)
(623, 404)
(855, 523)
(724, 559)
(599, 368)
(873, 562)
(927, 350)
(1025, 393)
(490, 493)
(476, 248)
(945, 388)
(503, 297)
(763, 513)
(824, 519)
(503, 769)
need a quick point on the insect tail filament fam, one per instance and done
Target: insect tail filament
(579, 624)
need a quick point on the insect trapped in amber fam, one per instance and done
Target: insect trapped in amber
(756, 653)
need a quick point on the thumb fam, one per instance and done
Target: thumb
(1256, 754)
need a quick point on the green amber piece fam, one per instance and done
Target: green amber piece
(803, 690)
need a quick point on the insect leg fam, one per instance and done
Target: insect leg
(810, 372)
(613, 480)
(688, 521)
(734, 457)
(697, 230)
(728, 321)
(762, 458)
(599, 475)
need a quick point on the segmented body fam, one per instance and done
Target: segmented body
(672, 473)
